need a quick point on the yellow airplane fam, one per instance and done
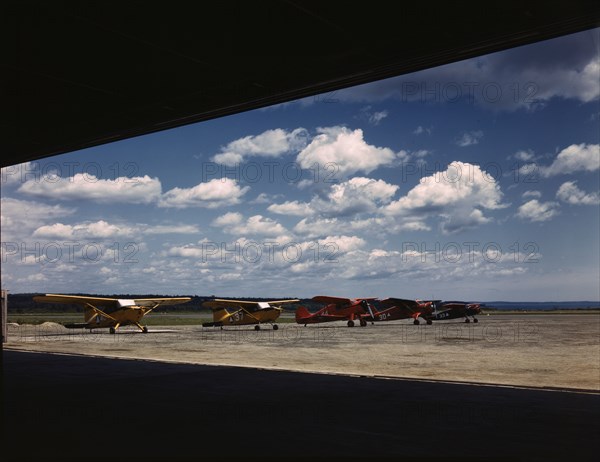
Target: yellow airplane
(246, 312)
(110, 312)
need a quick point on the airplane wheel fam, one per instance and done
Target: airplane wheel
(145, 330)
(475, 320)
(350, 323)
(112, 330)
(467, 321)
(275, 327)
(257, 327)
(363, 323)
(429, 322)
(416, 322)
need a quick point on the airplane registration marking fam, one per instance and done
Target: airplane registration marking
(236, 317)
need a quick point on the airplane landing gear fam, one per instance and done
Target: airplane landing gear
(467, 320)
(429, 322)
(363, 323)
(112, 330)
(257, 327)
(416, 322)
(145, 330)
(351, 323)
(475, 320)
(275, 327)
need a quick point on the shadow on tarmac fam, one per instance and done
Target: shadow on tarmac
(61, 407)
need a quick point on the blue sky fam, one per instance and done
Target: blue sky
(477, 180)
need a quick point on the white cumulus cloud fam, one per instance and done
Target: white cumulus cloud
(535, 210)
(294, 208)
(457, 195)
(345, 150)
(569, 192)
(372, 117)
(136, 190)
(212, 194)
(171, 229)
(271, 143)
(469, 138)
(524, 155)
(420, 130)
(533, 193)
(20, 217)
(356, 195)
(228, 219)
(233, 223)
(342, 244)
(574, 158)
(95, 230)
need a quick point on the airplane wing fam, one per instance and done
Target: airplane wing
(76, 300)
(389, 302)
(335, 300)
(161, 301)
(456, 303)
(219, 303)
(112, 302)
(339, 300)
(281, 302)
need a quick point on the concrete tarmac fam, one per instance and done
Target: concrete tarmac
(69, 407)
(555, 351)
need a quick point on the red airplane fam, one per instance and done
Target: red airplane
(452, 310)
(337, 309)
(397, 308)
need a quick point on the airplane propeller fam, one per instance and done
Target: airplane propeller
(366, 303)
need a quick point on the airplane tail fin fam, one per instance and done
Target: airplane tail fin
(474, 308)
(302, 313)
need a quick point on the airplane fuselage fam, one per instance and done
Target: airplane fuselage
(241, 317)
(399, 312)
(454, 311)
(336, 312)
(122, 316)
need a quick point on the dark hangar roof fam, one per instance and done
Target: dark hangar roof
(81, 73)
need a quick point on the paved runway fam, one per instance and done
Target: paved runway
(61, 407)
